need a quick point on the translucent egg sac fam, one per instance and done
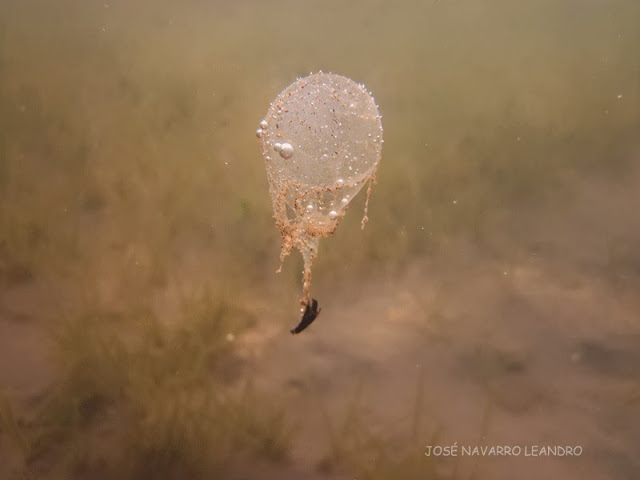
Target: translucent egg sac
(331, 128)
(322, 141)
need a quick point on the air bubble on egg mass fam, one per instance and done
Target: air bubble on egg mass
(286, 150)
(326, 155)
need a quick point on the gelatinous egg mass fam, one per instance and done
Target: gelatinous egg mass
(328, 123)
(321, 140)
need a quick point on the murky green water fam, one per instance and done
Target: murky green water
(130, 178)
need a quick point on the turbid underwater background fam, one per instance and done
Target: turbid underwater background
(493, 299)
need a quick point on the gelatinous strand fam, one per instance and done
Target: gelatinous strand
(365, 218)
(309, 253)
